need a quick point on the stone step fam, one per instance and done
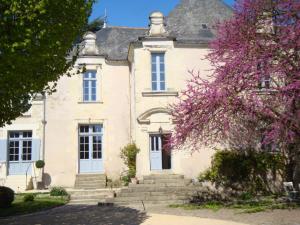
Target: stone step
(166, 181)
(151, 198)
(91, 179)
(89, 197)
(164, 202)
(90, 182)
(158, 185)
(84, 191)
(85, 202)
(90, 186)
(163, 176)
(162, 193)
(160, 189)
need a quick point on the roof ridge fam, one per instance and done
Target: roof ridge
(124, 27)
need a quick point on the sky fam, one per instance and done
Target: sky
(133, 13)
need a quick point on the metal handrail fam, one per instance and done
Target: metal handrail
(1, 165)
(30, 164)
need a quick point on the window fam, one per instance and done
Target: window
(89, 86)
(90, 141)
(20, 146)
(265, 79)
(158, 72)
(204, 26)
(155, 141)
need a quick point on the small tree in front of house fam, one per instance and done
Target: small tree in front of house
(256, 81)
(128, 154)
(36, 37)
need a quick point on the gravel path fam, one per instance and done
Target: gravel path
(94, 215)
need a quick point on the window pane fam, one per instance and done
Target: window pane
(97, 147)
(14, 134)
(154, 86)
(86, 75)
(97, 128)
(27, 134)
(84, 129)
(93, 74)
(162, 86)
(152, 143)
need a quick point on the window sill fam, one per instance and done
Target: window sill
(96, 102)
(264, 91)
(160, 94)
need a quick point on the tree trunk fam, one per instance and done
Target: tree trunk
(296, 174)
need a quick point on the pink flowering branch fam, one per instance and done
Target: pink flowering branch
(261, 40)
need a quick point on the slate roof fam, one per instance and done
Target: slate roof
(114, 41)
(184, 23)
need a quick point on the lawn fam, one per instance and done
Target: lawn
(41, 202)
(250, 206)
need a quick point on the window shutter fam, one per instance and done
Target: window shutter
(3, 150)
(36, 145)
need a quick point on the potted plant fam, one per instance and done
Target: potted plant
(40, 164)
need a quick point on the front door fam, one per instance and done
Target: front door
(160, 157)
(90, 149)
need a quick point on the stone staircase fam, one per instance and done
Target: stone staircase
(89, 197)
(156, 189)
(90, 181)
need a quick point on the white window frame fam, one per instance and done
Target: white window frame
(157, 72)
(89, 81)
(91, 134)
(265, 80)
(21, 139)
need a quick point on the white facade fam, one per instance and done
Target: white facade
(82, 127)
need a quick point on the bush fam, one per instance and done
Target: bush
(126, 180)
(58, 191)
(250, 171)
(28, 198)
(40, 164)
(7, 196)
(128, 154)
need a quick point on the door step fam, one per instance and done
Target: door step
(90, 181)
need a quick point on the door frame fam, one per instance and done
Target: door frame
(78, 147)
(149, 149)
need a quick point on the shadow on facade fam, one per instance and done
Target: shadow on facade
(81, 215)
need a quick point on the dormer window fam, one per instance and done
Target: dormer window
(204, 26)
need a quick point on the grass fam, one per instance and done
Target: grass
(41, 202)
(215, 206)
(250, 206)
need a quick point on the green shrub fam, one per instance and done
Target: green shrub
(7, 196)
(250, 171)
(128, 154)
(28, 198)
(40, 164)
(125, 180)
(58, 191)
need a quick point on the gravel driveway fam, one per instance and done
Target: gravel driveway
(94, 215)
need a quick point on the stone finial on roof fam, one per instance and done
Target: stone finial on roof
(89, 44)
(157, 25)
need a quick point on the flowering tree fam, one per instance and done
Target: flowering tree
(255, 86)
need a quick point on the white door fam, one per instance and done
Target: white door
(90, 149)
(156, 152)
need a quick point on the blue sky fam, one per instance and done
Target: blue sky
(133, 13)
